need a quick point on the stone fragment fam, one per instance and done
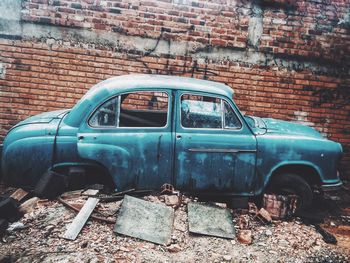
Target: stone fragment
(265, 215)
(227, 258)
(245, 237)
(243, 222)
(29, 205)
(15, 226)
(252, 209)
(268, 233)
(174, 248)
(171, 200)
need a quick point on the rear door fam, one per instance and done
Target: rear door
(214, 149)
(130, 135)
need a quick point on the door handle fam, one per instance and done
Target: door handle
(178, 137)
(80, 137)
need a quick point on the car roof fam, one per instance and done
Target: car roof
(128, 83)
(133, 81)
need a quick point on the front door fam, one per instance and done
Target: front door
(130, 135)
(214, 150)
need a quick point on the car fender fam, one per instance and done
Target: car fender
(116, 159)
(289, 163)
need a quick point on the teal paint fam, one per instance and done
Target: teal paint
(235, 161)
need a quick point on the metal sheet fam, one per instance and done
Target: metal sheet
(145, 220)
(210, 220)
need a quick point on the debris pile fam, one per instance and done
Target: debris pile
(159, 226)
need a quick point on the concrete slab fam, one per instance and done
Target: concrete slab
(145, 220)
(210, 220)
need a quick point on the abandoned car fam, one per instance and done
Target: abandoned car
(142, 131)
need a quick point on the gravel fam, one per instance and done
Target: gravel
(282, 241)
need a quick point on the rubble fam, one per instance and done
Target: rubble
(283, 241)
(19, 194)
(28, 206)
(174, 248)
(172, 200)
(264, 215)
(245, 237)
(280, 206)
(15, 226)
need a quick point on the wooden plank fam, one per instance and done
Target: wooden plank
(19, 194)
(79, 221)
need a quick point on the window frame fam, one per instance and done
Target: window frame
(97, 108)
(222, 115)
(224, 119)
(118, 96)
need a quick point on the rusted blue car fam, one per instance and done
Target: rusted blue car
(141, 131)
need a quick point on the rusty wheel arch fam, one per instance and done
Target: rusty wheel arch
(307, 172)
(96, 173)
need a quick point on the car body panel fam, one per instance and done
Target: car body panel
(27, 152)
(211, 160)
(226, 161)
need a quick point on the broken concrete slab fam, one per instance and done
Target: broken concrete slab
(210, 220)
(145, 220)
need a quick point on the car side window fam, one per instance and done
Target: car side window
(143, 109)
(201, 112)
(105, 115)
(231, 119)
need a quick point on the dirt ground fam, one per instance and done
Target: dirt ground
(40, 239)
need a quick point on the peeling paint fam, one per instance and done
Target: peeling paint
(2, 71)
(255, 28)
(302, 118)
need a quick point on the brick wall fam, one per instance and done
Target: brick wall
(284, 59)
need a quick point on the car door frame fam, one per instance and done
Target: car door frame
(126, 159)
(245, 130)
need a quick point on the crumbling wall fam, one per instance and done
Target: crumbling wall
(284, 59)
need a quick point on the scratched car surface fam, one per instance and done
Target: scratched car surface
(142, 131)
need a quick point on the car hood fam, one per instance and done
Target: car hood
(45, 117)
(279, 127)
